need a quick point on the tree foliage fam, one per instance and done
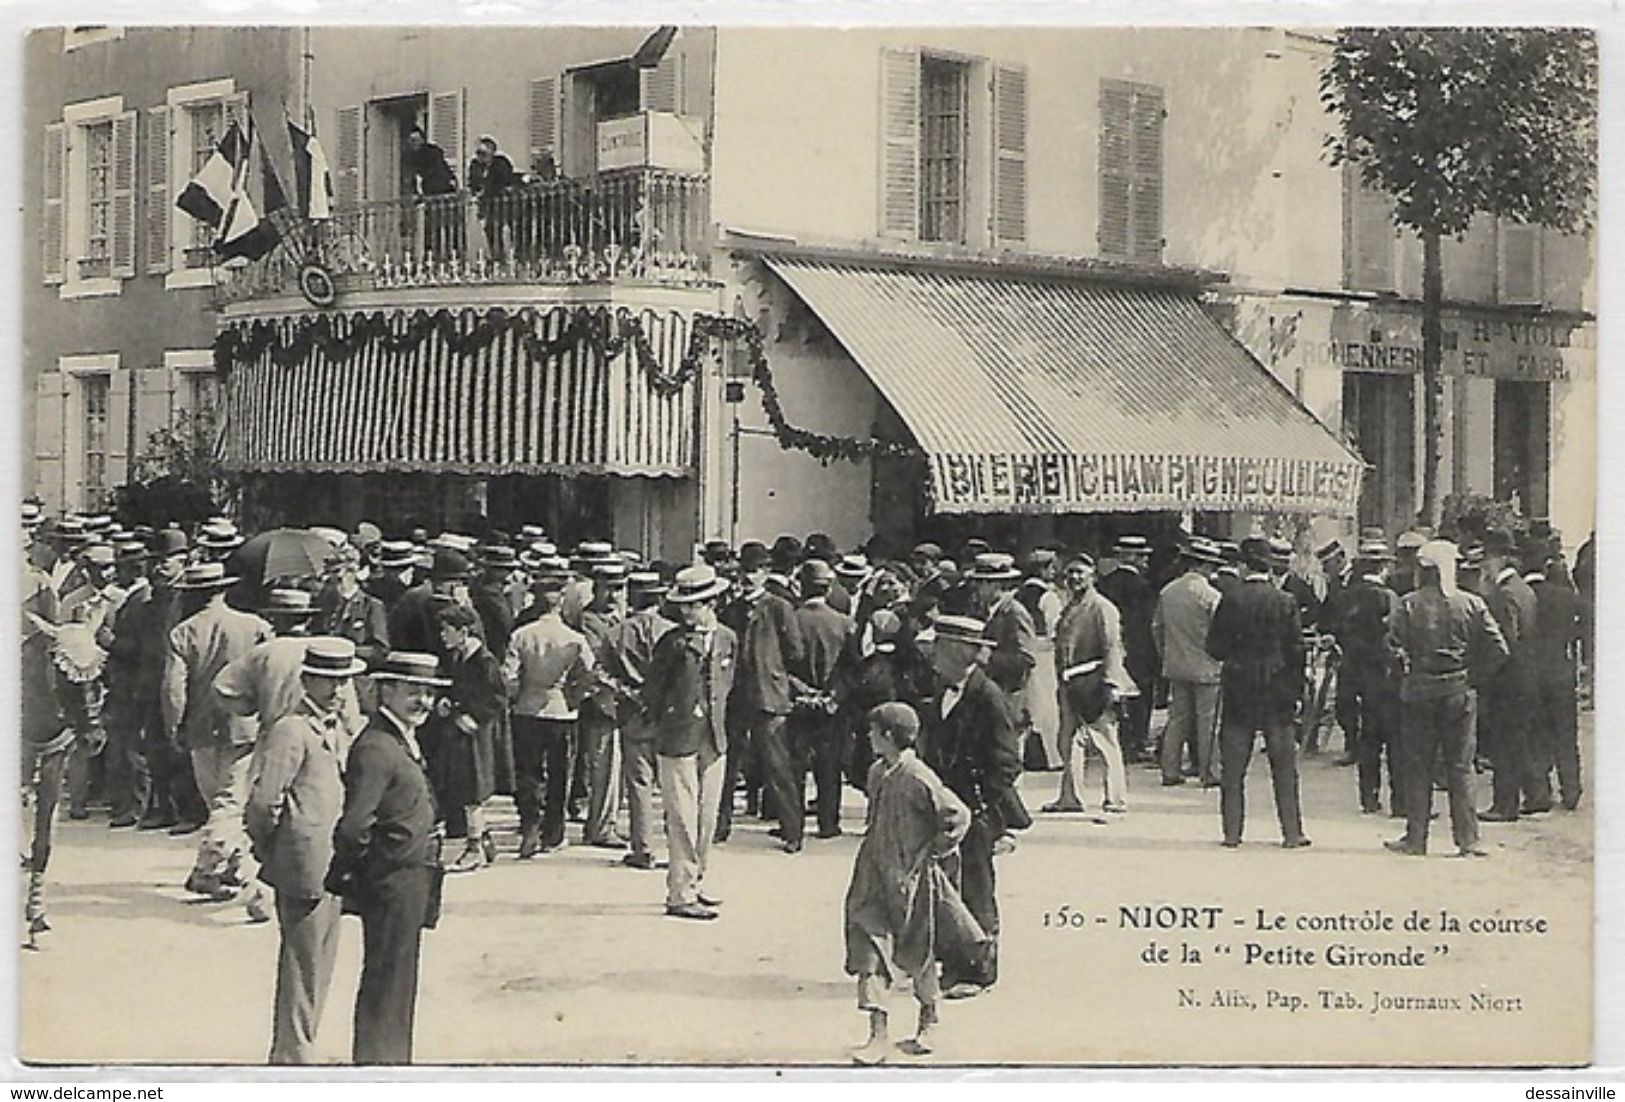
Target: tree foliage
(1452, 122)
(178, 477)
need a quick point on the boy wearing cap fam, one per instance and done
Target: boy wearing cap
(686, 694)
(207, 640)
(914, 822)
(385, 856)
(290, 814)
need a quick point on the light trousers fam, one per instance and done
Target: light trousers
(1076, 738)
(638, 768)
(691, 788)
(1193, 719)
(304, 973)
(222, 771)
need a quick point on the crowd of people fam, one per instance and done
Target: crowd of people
(335, 732)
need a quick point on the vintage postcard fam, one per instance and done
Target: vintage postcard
(785, 545)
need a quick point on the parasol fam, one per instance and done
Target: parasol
(280, 553)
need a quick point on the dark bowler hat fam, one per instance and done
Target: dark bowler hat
(419, 669)
(1498, 541)
(717, 552)
(816, 575)
(754, 555)
(1255, 552)
(329, 656)
(820, 546)
(293, 604)
(450, 566)
(171, 541)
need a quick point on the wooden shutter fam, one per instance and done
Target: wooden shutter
(122, 230)
(53, 228)
(1009, 154)
(154, 398)
(446, 127)
(1371, 235)
(1145, 166)
(1518, 270)
(50, 428)
(160, 197)
(544, 120)
(661, 88)
(119, 413)
(1116, 167)
(347, 189)
(900, 143)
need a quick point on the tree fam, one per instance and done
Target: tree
(178, 477)
(1453, 122)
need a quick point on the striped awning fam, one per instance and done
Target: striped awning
(492, 410)
(1056, 396)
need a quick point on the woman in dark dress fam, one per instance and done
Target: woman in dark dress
(458, 743)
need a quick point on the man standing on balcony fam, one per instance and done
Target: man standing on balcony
(432, 176)
(491, 179)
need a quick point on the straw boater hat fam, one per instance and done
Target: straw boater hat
(1328, 551)
(853, 568)
(1375, 550)
(992, 566)
(395, 554)
(33, 515)
(550, 573)
(1203, 550)
(290, 604)
(499, 557)
(696, 583)
(130, 550)
(645, 581)
(962, 629)
(329, 656)
(532, 533)
(610, 571)
(206, 575)
(419, 669)
(219, 534)
(1131, 544)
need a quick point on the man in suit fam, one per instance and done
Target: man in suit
(686, 695)
(393, 573)
(814, 730)
(600, 725)
(770, 645)
(996, 579)
(1127, 587)
(1443, 640)
(1256, 633)
(970, 742)
(628, 650)
(1555, 647)
(207, 640)
(1180, 623)
(546, 669)
(434, 180)
(1089, 643)
(385, 855)
(1371, 718)
(292, 808)
(1509, 699)
(350, 612)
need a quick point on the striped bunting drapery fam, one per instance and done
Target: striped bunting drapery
(491, 411)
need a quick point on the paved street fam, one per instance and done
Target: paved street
(568, 958)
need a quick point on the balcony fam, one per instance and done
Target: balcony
(631, 226)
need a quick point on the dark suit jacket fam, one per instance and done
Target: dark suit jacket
(1514, 607)
(389, 811)
(1257, 635)
(1136, 598)
(686, 693)
(1557, 630)
(411, 627)
(975, 752)
(769, 647)
(824, 635)
(361, 619)
(1015, 649)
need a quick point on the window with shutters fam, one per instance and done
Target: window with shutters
(1370, 237)
(1132, 117)
(1518, 267)
(206, 125)
(94, 395)
(944, 122)
(198, 117)
(97, 257)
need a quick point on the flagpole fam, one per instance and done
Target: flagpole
(308, 113)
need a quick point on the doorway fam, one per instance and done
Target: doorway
(1379, 415)
(1522, 438)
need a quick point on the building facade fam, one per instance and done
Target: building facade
(986, 271)
(117, 297)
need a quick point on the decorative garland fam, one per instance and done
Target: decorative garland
(465, 333)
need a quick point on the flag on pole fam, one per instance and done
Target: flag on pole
(248, 232)
(313, 181)
(208, 195)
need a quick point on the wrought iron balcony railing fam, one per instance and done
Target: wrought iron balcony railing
(632, 225)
